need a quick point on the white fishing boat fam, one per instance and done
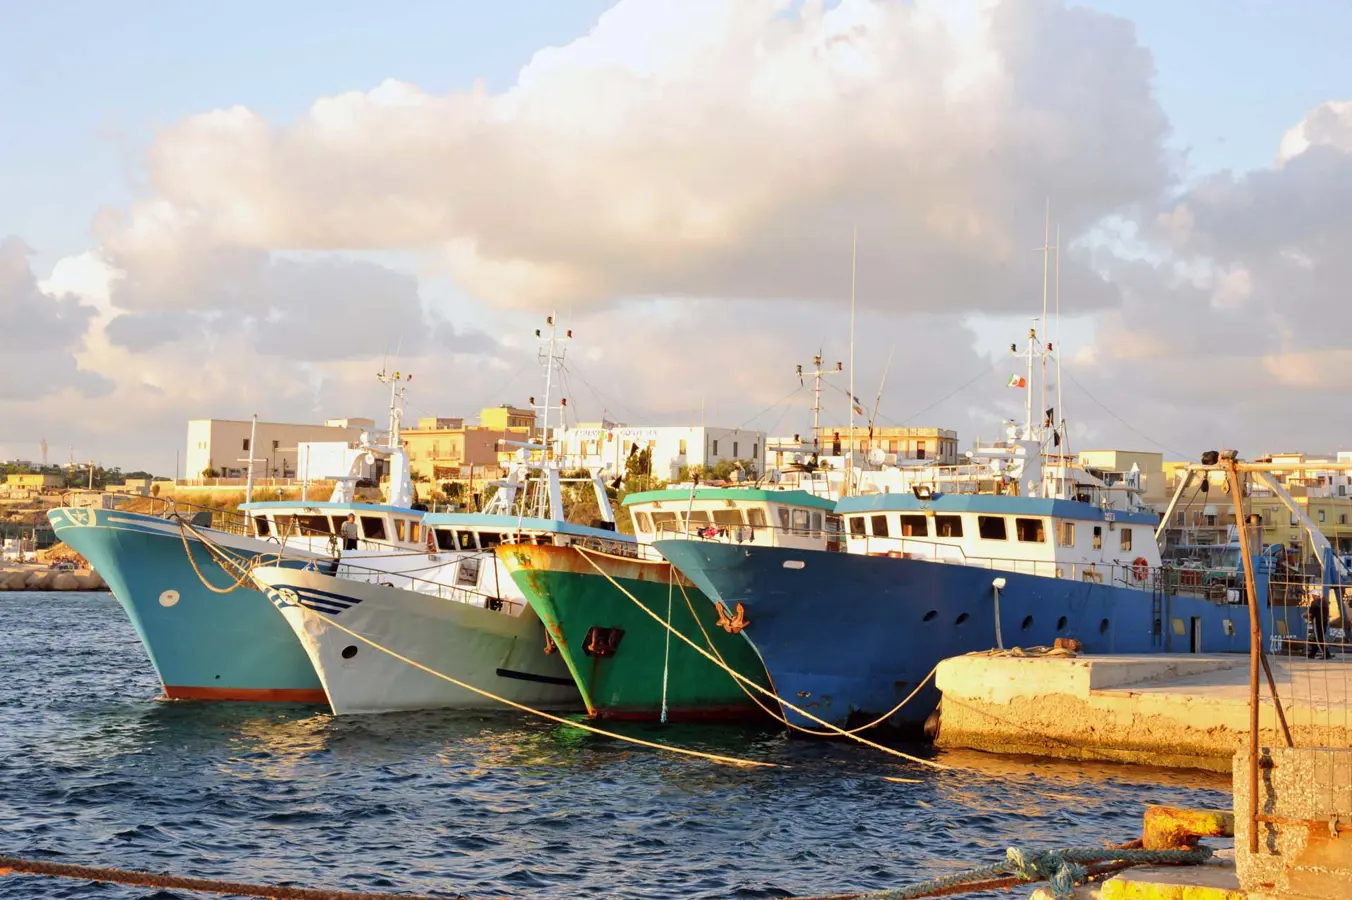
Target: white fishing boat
(382, 640)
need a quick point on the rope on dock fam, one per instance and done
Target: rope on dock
(12, 865)
(742, 679)
(1061, 869)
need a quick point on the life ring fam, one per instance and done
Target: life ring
(1140, 567)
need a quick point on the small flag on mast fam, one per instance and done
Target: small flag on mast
(1017, 381)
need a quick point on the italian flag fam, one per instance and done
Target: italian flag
(1018, 381)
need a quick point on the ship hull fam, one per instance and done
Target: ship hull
(204, 645)
(494, 651)
(648, 670)
(847, 637)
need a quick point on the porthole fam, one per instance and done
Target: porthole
(1061, 624)
(1027, 623)
(962, 618)
(929, 616)
(349, 651)
(1103, 627)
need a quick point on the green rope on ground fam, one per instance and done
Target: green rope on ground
(1061, 869)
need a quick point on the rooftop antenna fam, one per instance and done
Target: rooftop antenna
(817, 373)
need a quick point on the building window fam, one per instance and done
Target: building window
(1065, 534)
(1293, 520)
(920, 452)
(715, 448)
(914, 526)
(991, 528)
(1180, 518)
(1030, 531)
(879, 524)
(734, 449)
(682, 450)
(1321, 515)
(1126, 538)
(755, 450)
(948, 526)
(245, 442)
(276, 445)
(1098, 537)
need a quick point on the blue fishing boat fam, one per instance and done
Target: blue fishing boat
(1019, 546)
(231, 643)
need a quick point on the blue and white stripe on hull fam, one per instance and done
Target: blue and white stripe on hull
(848, 636)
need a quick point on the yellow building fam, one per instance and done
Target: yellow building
(901, 445)
(1114, 465)
(439, 448)
(504, 417)
(35, 481)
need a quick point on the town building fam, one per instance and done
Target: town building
(669, 448)
(34, 481)
(445, 448)
(221, 448)
(900, 446)
(1114, 466)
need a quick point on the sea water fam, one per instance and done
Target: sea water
(95, 770)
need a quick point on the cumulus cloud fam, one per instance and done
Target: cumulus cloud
(719, 148)
(39, 334)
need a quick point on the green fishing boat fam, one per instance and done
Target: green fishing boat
(606, 610)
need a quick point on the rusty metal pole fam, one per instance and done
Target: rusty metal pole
(1255, 643)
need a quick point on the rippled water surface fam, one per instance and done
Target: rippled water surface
(94, 770)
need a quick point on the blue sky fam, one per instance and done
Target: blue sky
(84, 84)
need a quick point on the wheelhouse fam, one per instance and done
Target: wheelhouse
(792, 518)
(318, 524)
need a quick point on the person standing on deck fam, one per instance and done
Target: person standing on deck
(1318, 614)
(350, 532)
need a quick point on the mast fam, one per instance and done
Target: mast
(1028, 394)
(849, 456)
(1060, 409)
(1046, 248)
(550, 355)
(817, 374)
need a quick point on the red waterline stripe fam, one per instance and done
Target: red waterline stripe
(251, 695)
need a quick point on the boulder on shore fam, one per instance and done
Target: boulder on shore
(37, 581)
(64, 581)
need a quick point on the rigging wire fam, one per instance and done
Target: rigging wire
(1136, 431)
(771, 407)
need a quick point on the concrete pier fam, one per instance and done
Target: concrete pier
(1189, 711)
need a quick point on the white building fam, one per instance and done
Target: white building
(323, 460)
(673, 446)
(222, 445)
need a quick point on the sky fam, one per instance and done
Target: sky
(226, 210)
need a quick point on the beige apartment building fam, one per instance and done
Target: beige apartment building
(222, 446)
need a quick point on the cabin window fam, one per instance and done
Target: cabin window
(800, 521)
(1098, 537)
(467, 573)
(1065, 534)
(914, 526)
(313, 525)
(414, 531)
(642, 522)
(755, 517)
(948, 526)
(857, 526)
(445, 539)
(663, 521)
(261, 526)
(699, 516)
(879, 525)
(728, 518)
(1126, 538)
(466, 540)
(816, 523)
(286, 525)
(1030, 531)
(373, 528)
(399, 530)
(991, 528)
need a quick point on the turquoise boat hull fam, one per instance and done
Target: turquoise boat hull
(204, 645)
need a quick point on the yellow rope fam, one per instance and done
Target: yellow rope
(730, 760)
(832, 729)
(780, 717)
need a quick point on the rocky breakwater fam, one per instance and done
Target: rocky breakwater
(30, 578)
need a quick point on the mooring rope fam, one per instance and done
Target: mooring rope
(832, 729)
(12, 865)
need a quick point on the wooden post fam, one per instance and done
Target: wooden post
(1255, 642)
